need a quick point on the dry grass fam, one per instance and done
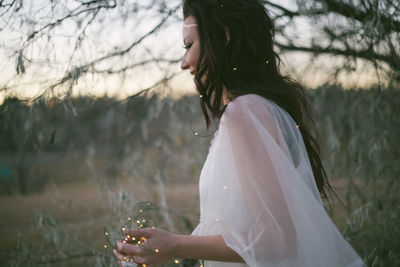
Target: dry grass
(75, 204)
(80, 209)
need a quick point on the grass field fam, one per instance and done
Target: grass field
(83, 213)
(95, 172)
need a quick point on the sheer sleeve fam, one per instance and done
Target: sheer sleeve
(257, 190)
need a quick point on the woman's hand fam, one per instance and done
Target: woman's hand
(155, 249)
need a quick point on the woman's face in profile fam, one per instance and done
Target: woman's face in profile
(192, 45)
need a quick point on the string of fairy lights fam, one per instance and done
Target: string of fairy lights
(138, 221)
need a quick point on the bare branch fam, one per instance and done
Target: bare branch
(165, 80)
(126, 50)
(70, 15)
(142, 63)
(286, 12)
(352, 12)
(83, 69)
(363, 31)
(364, 54)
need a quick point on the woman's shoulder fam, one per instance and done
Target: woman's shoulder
(250, 112)
(249, 98)
(250, 106)
(248, 102)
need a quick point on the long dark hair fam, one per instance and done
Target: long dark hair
(236, 51)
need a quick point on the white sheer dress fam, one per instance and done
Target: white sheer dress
(257, 190)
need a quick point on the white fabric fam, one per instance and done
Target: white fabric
(257, 190)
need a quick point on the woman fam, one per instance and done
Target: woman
(262, 182)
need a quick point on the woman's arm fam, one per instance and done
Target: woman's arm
(160, 246)
(204, 247)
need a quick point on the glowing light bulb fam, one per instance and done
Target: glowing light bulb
(140, 210)
(217, 219)
(106, 233)
(137, 221)
(225, 187)
(156, 250)
(176, 261)
(123, 228)
(235, 68)
(143, 220)
(105, 246)
(129, 218)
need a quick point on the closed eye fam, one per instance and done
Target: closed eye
(188, 46)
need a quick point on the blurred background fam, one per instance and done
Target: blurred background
(96, 116)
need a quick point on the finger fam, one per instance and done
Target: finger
(123, 259)
(128, 249)
(118, 255)
(145, 232)
(140, 261)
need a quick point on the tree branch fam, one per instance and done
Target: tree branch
(352, 12)
(292, 14)
(142, 63)
(78, 71)
(286, 12)
(364, 54)
(126, 50)
(70, 15)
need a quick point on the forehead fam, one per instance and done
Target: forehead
(190, 31)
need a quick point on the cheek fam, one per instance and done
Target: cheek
(193, 58)
(194, 54)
